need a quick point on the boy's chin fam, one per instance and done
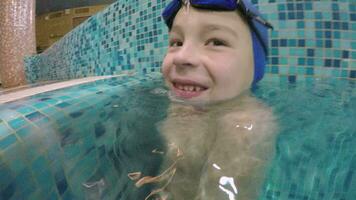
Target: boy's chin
(205, 101)
(197, 101)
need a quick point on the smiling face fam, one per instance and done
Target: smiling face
(210, 57)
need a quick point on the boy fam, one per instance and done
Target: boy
(220, 136)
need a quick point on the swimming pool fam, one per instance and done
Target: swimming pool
(81, 142)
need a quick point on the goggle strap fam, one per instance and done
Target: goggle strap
(258, 18)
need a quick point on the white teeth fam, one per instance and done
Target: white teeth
(189, 88)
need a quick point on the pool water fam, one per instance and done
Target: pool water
(82, 142)
(315, 146)
(316, 155)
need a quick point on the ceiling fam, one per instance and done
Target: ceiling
(45, 6)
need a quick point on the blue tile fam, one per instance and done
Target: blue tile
(299, 6)
(291, 15)
(327, 34)
(308, 5)
(61, 182)
(99, 129)
(336, 16)
(353, 16)
(336, 25)
(345, 54)
(318, 25)
(336, 63)
(35, 116)
(283, 42)
(290, 6)
(327, 62)
(310, 52)
(310, 71)
(310, 62)
(274, 60)
(301, 61)
(8, 192)
(292, 78)
(328, 43)
(345, 26)
(300, 15)
(353, 74)
(301, 43)
(63, 105)
(274, 43)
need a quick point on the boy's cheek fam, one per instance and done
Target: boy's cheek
(164, 71)
(165, 67)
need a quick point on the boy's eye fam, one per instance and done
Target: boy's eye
(175, 43)
(216, 42)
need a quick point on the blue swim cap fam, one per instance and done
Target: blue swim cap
(257, 24)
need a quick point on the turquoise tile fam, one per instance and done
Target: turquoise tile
(49, 111)
(344, 64)
(4, 130)
(71, 152)
(7, 141)
(337, 53)
(17, 123)
(283, 70)
(25, 110)
(344, 16)
(300, 70)
(292, 70)
(353, 56)
(7, 114)
(25, 181)
(344, 73)
(283, 61)
(64, 98)
(336, 72)
(26, 131)
(40, 105)
(44, 122)
(43, 175)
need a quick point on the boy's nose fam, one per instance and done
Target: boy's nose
(186, 56)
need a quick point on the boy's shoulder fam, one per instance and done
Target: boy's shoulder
(249, 116)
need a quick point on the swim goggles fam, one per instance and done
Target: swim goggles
(254, 18)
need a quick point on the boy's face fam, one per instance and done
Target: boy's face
(210, 57)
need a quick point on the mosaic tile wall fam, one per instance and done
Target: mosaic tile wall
(312, 38)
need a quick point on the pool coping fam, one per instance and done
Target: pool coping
(16, 95)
